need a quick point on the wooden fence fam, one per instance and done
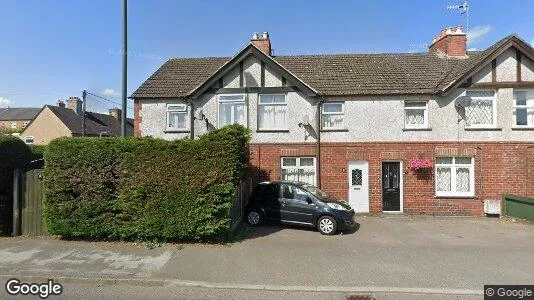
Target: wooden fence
(238, 209)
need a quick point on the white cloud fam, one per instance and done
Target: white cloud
(472, 49)
(109, 92)
(477, 33)
(4, 102)
(532, 43)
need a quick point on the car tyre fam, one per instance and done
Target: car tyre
(254, 217)
(327, 225)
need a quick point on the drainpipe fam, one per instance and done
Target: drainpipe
(192, 120)
(318, 127)
(481, 176)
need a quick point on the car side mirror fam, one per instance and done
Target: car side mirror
(309, 200)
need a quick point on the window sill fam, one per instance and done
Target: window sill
(417, 129)
(523, 128)
(334, 130)
(454, 197)
(482, 129)
(272, 130)
(176, 131)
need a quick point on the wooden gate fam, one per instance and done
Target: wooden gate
(32, 196)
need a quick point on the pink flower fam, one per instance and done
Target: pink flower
(420, 164)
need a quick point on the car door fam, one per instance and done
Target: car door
(270, 199)
(294, 205)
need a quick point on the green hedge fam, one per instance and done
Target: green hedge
(144, 188)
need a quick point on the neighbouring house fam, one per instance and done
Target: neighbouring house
(437, 132)
(17, 117)
(67, 120)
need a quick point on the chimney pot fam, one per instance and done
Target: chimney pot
(263, 43)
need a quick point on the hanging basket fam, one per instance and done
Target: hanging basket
(421, 165)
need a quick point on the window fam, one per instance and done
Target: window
(333, 115)
(299, 169)
(177, 117)
(13, 124)
(28, 140)
(272, 112)
(481, 109)
(455, 177)
(524, 108)
(293, 193)
(24, 124)
(232, 110)
(415, 114)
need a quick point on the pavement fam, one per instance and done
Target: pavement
(387, 256)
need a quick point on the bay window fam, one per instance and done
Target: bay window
(455, 176)
(272, 112)
(481, 111)
(524, 108)
(232, 110)
(333, 115)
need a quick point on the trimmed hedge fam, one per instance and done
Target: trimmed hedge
(144, 188)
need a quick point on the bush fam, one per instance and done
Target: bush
(144, 188)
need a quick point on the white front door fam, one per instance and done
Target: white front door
(358, 179)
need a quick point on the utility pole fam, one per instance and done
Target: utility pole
(124, 66)
(84, 98)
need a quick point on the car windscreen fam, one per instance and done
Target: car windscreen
(316, 192)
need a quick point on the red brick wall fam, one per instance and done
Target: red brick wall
(137, 118)
(499, 168)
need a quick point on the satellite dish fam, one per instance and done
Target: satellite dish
(200, 114)
(462, 102)
(305, 121)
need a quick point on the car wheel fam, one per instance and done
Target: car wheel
(254, 217)
(327, 225)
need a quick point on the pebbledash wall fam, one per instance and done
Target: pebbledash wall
(503, 155)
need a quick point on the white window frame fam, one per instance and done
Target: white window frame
(425, 114)
(13, 125)
(242, 100)
(183, 109)
(26, 140)
(25, 124)
(298, 166)
(494, 106)
(342, 113)
(526, 106)
(285, 127)
(453, 166)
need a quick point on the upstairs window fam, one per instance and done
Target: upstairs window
(232, 110)
(13, 125)
(415, 114)
(177, 117)
(272, 112)
(333, 115)
(524, 108)
(480, 111)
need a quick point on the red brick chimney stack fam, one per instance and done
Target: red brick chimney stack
(451, 42)
(262, 42)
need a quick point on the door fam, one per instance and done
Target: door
(391, 186)
(294, 206)
(270, 201)
(358, 176)
(32, 222)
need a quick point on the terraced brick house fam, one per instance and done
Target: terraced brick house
(365, 127)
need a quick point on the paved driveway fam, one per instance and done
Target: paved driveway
(398, 253)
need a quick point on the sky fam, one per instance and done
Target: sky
(54, 49)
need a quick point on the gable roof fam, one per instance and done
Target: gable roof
(95, 123)
(334, 75)
(18, 113)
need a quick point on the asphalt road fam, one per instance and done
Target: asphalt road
(447, 257)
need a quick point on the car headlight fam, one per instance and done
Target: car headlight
(335, 206)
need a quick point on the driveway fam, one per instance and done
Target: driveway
(401, 254)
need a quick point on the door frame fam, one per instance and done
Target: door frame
(401, 186)
(368, 182)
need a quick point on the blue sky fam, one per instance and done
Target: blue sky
(54, 49)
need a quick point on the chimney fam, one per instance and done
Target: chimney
(451, 42)
(75, 104)
(116, 113)
(60, 103)
(263, 43)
